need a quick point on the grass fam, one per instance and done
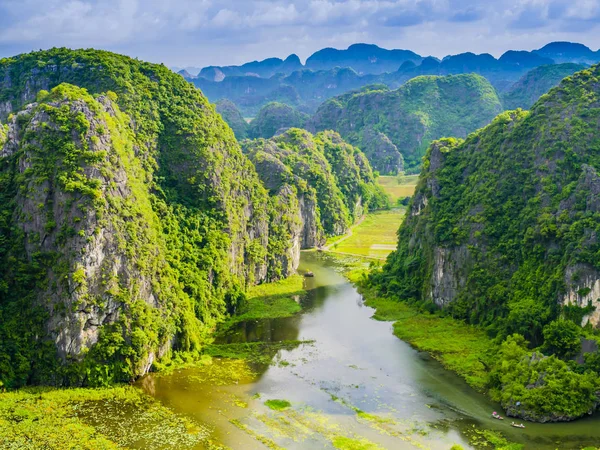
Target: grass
(270, 301)
(375, 237)
(398, 187)
(278, 405)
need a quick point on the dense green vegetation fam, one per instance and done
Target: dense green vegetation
(535, 83)
(394, 128)
(321, 170)
(274, 117)
(500, 236)
(233, 117)
(124, 219)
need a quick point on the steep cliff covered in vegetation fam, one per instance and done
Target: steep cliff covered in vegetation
(326, 182)
(394, 128)
(274, 117)
(130, 220)
(503, 232)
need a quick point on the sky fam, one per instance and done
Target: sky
(222, 32)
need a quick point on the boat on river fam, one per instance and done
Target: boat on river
(309, 274)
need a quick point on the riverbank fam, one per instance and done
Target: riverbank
(461, 348)
(507, 372)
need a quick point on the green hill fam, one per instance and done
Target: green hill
(274, 117)
(394, 128)
(331, 181)
(233, 117)
(525, 92)
(130, 220)
(503, 233)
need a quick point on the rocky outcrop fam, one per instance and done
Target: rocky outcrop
(333, 182)
(130, 220)
(473, 245)
(379, 148)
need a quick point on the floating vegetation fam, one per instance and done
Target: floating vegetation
(259, 437)
(346, 443)
(110, 418)
(223, 372)
(278, 405)
(488, 439)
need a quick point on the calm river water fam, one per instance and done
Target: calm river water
(355, 363)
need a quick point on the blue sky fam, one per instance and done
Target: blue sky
(205, 32)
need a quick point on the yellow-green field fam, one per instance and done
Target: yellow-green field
(398, 186)
(375, 237)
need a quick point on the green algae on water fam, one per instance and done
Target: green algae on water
(278, 405)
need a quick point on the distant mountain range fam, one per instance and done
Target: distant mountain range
(369, 59)
(330, 72)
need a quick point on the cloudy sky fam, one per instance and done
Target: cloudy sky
(205, 32)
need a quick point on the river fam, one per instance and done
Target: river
(355, 364)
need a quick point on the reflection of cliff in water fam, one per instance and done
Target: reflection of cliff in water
(281, 329)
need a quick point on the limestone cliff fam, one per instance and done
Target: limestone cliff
(130, 220)
(331, 180)
(510, 217)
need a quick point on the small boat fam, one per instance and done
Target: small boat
(497, 416)
(517, 425)
(309, 274)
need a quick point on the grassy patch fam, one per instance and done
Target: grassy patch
(461, 348)
(278, 405)
(270, 301)
(398, 187)
(111, 418)
(375, 237)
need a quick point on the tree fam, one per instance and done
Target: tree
(563, 338)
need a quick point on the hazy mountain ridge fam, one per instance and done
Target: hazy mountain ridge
(332, 72)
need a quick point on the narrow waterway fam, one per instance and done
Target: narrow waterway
(355, 364)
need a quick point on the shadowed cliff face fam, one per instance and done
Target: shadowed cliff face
(510, 215)
(130, 221)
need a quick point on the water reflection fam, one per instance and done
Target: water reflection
(355, 364)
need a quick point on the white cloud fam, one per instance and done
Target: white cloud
(203, 32)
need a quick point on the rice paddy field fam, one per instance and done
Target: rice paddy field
(375, 237)
(398, 186)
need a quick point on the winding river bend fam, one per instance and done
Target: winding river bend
(356, 364)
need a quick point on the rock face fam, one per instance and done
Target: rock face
(394, 128)
(130, 220)
(510, 215)
(331, 182)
